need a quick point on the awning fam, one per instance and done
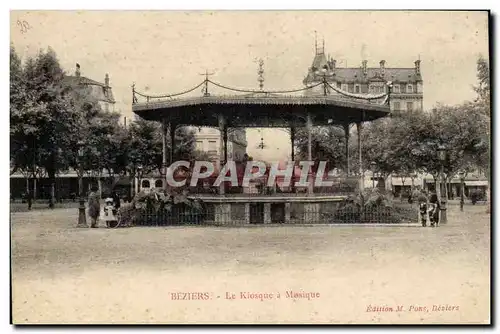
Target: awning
(396, 181)
(477, 183)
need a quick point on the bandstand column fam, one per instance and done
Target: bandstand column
(346, 131)
(224, 137)
(292, 142)
(171, 131)
(310, 188)
(222, 147)
(360, 157)
(165, 145)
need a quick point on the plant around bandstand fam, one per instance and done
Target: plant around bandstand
(162, 207)
(372, 206)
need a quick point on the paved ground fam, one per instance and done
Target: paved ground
(66, 275)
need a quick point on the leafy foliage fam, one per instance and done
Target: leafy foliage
(51, 115)
(160, 207)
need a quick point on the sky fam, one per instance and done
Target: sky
(166, 51)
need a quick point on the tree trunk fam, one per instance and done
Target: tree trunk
(402, 189)
(99, 184)
(52, 179)
(34, 188)
(446, 189)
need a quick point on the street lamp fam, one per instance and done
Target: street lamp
(324, 70)
(82, 221)
(462, 183)
(373, 166)
(139, 175)
(442, 157)
(389, 91)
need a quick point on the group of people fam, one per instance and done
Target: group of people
(432, 210)
(94, 205)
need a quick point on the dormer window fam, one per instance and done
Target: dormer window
(357, 89)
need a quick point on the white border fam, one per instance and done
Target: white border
(186, 5)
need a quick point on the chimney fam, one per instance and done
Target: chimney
(382, 67)
(417, 67)
(106, 80)
(77, 71)
(365, 70)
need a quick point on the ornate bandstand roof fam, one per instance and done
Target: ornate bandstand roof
(261, 108)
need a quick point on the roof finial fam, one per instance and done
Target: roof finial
(260, 79)
(205, 89)
(315, 42)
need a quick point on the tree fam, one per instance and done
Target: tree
(144, 147)
(43, 121)
(483, 87)
(328, 144)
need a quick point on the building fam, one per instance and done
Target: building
(100, 91)
(407, 93)
(407, 96)
(67, 183)
(208, 141)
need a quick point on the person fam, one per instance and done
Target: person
(94, 206)
(434, 209)
(29, 197)
(116, 199)
(110, 212)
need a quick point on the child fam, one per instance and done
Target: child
(110, 212)
(434, 210)
(423, 213)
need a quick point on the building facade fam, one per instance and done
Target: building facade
(208, 141)
(407, 93)
(101, 91)
(407, 96)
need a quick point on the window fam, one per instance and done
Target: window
(344, 87)
(403, 88)
(397, 105)
(409, 106)
(158, 184)
(145, 184)
(350, 88)
(212, 145)
(339, 85)
(396, 88)
(410, 88)
(357, 89)
(199, 145)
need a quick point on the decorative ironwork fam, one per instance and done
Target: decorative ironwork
(205, 89)
(340, 212)
(260, 72)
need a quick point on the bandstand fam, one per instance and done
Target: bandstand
(272, 109)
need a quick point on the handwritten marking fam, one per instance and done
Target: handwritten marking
(24, 26)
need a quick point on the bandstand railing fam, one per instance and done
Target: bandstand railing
(258, 187)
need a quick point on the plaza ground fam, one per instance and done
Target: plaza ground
(62, 274)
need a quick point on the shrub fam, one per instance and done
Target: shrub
(370, 207)
(476, 195)
(161, 207)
